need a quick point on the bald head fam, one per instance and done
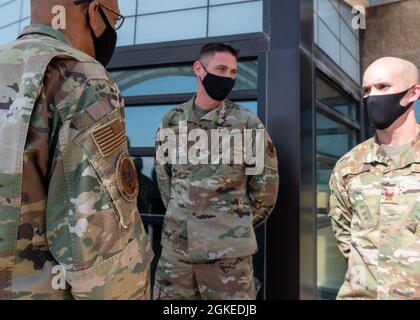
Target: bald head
(78, 29)
(390, 75)
(42, 8)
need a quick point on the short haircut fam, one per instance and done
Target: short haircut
(209, 50)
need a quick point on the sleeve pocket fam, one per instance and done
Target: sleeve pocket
(125, 276)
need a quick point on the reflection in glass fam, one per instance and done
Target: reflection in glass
(149, 199)
(336, 37)
(332, 138)
(235, 19)
(171, 26)
(250, 105)
(9, 34)
(331, 97)
(10, 13)
(176, 79)
(143, 122)
(126, 33)
(331, 265)
(329, 15)
(323, 172)
(154, 6)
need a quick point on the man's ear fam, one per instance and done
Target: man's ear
(93, 10)
(197, 67)
(416, 94)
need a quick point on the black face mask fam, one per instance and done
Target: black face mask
(217, 87)
(104, 44)
(385, 110)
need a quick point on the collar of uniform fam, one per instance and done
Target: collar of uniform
(217, 115)
(376, 154)
(45, 30)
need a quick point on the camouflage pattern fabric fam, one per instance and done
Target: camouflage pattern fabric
(221, 279)
(212, 208)
(67, 185)
(375, 212)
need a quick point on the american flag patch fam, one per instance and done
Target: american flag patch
(109, 137)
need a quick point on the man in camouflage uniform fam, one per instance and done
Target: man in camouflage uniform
(375, 191)
(208, 238)
(69, 226)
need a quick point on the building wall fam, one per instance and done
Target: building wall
(392, 30)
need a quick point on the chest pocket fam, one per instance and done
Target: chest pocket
(105, 145)
(364, 191)
(409, 187)
(226, 156)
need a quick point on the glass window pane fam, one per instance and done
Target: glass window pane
(162, 80)
(24, 23)
(334, 99)
(328, 42)
(128, 8)
(149, 199)
(188, 24)
(331, 266)
(126, 33)
(217, 2)
(250, 105)
(143, 122)
(149, 6)
(247, 77)
(176, 79)
(333, 34)
(236, 19)
(9, 34)
(329, 15)
(347, 15)
(10, 13)
(348, 38)
(335, 3)
(26, 8)
(350, 65)
(332, 138)
(323, 172)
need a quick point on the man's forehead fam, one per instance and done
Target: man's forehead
(391, 70)
(379, 75)
(222, 58)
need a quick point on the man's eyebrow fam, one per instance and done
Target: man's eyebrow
(382, 82)
(225, 67)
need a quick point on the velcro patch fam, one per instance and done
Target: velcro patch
(109, 137)
(127, 179)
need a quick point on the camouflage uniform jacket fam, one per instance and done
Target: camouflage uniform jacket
(67, 187)
(375, 211)
(212, 208)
